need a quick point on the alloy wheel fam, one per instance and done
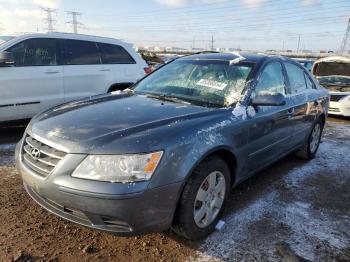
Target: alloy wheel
(209, 199)
(315, 138)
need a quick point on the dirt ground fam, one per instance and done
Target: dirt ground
(294, 209)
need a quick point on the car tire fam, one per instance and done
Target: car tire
(203, 199)
(309, 149)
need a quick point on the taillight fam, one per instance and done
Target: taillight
(148, 70)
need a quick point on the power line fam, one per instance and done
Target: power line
(49, 20)
(74, 20)
(345, 39)
(227, 5)
(226, 26)
(309, 15)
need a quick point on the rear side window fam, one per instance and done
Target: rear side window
(271, 79)
(115, 54)
(296, 78)
(79, 52)
(35, 52)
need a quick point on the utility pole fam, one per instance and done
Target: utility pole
(212, 43)
(283, 46)
(74, 20)
(345, 39)
(194, 42)
(298, 44)
(49, 20)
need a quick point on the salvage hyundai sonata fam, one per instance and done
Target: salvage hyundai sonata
(167, 152)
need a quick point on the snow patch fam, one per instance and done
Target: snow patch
(7, 147)
(305, 224)
(214, 127)
(240, 111)
(238, 59)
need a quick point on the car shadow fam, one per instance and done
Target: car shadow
(336, 118)
(12, 132)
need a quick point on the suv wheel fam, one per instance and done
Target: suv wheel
(203, 199)
(309, 149)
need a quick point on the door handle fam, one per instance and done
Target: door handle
(52, 72)
(105, 70)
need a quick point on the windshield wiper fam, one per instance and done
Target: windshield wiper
(168, 98)
(183, 100)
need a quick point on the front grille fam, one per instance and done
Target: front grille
(336, 98)
(332, 109)
(39, 157)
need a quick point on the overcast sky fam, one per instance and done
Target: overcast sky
(248, 24)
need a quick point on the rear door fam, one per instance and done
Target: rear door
(84, 73)
(122, 65)
(271, 128)
(34, 83)
(305, 99)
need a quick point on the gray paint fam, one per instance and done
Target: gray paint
(125, 124)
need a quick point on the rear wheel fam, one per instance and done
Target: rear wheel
(203, 199)
(309, 149)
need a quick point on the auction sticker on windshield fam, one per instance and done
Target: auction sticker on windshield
(212, 84)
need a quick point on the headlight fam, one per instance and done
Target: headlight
(346, 98)
(118, 168)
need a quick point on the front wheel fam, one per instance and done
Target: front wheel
(203, 199)
(309, 149)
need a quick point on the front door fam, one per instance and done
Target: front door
(271, 128)
(34, 83)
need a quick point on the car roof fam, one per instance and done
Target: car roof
(70, 36)
(247, 57)
(303, 59)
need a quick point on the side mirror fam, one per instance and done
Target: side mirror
(6, 59)
(268, 99)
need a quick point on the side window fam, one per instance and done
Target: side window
(271, 79)
(18, 51)
(81, 53)
(309, 83)
(296, 78)
(114, 54)
(35, 52)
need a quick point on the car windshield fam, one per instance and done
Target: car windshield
(205, 82)
(334, 80)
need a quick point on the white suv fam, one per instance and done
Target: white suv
(38, 71)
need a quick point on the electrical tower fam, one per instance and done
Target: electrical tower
(212, 43)
(49, 20)
(345, 39)
(74, 20)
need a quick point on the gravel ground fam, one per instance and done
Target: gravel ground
(294, 210)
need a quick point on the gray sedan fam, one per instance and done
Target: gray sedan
(168, 152)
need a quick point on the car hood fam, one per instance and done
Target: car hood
(78, 127)
(332, 66)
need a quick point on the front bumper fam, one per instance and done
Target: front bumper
(339, 103)
(126, 209)
(339, 108)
